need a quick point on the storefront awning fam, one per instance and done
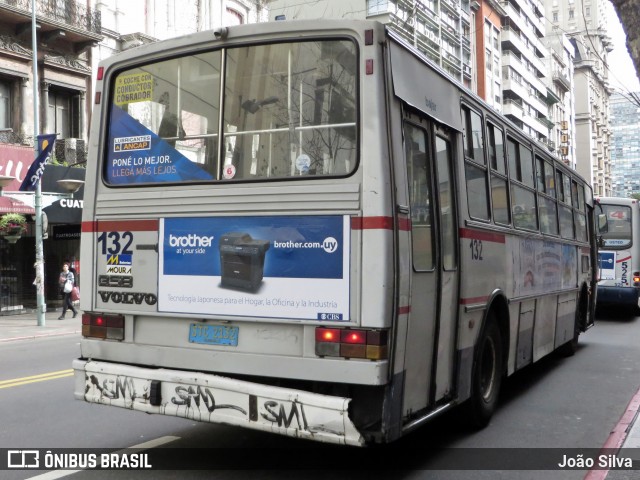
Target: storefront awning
(66, 210)
(11, 205)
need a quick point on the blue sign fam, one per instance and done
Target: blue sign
(607, 265)
(138, 155)
(45, 147)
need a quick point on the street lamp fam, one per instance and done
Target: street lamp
(70, 185)
(39, 265)
(5, 180)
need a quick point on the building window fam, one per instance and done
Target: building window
(234, 17)
(571, 14)
(61, 119)
(5, 105)
(555, 16)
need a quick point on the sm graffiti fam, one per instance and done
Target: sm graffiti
(121, 387)
(191, 396)
(277, 413)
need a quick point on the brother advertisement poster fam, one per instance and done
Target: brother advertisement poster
(278, 266)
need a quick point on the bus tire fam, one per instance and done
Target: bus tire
(487, 375)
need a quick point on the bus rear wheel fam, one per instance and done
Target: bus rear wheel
(486, 377)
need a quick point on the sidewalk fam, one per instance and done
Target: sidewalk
(25, 326)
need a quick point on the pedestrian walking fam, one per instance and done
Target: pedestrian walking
(67, 282)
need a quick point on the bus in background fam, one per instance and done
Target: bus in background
(618, 256)
(309, 229)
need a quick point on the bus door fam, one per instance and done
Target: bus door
(430, 342)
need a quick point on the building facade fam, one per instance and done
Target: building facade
(127, 24)
(625, 145)
(561, 96)
(440, 29)
(66, 31)
(525, 95)
(487, 17)
(493, 48)
(584, 22)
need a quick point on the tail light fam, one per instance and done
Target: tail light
(636, 279)
(351, 343)
(110, 327)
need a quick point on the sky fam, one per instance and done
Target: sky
(622, 74)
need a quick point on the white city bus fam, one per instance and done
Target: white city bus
(307, 228)
(618, 257)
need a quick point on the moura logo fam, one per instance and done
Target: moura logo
(191, 240)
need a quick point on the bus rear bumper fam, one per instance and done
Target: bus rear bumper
(216, 399)
(622, 296)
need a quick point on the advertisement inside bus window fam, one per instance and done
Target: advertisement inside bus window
(537, 266)
(276, 266)
(138, 155)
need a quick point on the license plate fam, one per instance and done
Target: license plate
(213, 334)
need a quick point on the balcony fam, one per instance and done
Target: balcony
(74, 21)
(451, 33)
(551, 145)
(452, 5)
(512, 108)
(551, 98)
(562, 81)
(546, 122)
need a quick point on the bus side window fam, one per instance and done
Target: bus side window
(523, 198)
(475, 168)
(447, 203)
(546, 198)
(419, 197)
(499, 185)
(565, 214)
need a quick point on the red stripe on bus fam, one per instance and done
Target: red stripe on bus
(623, 259)
(121, 225)
(404, 224)
(480, 235)
(379, 223)
(404, 310)
(467, 301)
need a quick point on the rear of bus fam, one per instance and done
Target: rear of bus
(233, 274)
(618, 260)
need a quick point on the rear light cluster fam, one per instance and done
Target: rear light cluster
(351, 343)
(95, 325)
(636, 279)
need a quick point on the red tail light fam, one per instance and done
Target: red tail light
(327, 335)
(351, 343)
(110, 327)
(353, 336)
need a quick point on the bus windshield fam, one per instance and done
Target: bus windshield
(288, 110)
(618, 234)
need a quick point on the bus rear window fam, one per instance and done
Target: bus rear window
(288, 111)
(619, 226)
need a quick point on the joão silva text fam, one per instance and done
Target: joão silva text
(604, 461)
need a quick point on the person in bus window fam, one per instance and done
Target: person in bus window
(66, 276)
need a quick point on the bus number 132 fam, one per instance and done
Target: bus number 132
(476, 249)
(117, 243)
